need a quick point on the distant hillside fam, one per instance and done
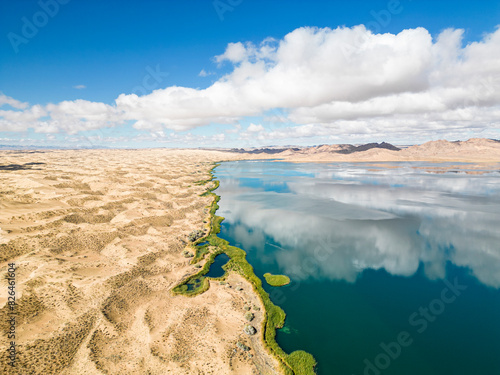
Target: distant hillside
(341, 149)
(349, 149)
(475, 149)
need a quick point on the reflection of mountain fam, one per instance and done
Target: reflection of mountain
(348, 219)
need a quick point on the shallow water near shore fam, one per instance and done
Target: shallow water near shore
(395, 270)
(216, 269)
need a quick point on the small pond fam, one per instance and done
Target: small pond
(216, 269)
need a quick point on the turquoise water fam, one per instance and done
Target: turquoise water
(216, 269)
(395, 270)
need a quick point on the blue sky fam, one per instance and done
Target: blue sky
(90, 51)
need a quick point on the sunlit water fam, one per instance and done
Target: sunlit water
(394, 270)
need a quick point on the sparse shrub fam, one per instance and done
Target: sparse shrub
(242, 346)
(195, 235)
(249, 316)
(249, 330)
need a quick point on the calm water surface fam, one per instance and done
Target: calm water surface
(216, 269)
(395, 270)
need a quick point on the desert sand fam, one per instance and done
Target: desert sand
(97, 237)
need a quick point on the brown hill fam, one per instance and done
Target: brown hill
(475, 149)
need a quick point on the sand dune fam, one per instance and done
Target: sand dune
(98, 239)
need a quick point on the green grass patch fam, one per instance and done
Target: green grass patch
(276, 280)
(197, 287)
(296, 363)
(301, 361)
(200, 252)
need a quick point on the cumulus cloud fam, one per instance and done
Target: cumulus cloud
(235, 53)
(327, 81)
(253, 132)
(4, 99)
(81, 115)
(67, 116)
(12, 120)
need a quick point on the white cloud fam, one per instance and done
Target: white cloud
(11, 120)
(252, 128)
(68, 117)
(331, 82)
(80, 115)
(235, 53)
(204, 73)
(217, 138)
(4, 99)
(80, 87)
(253, 132)
(235, 129)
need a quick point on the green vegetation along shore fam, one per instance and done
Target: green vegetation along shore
(276, 280)
(297, 363)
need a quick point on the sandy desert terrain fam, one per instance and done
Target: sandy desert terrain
(97, 237)
(98, 240)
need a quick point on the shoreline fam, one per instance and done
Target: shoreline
(103, 233)
(296, 363)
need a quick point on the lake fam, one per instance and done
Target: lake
(395, 267)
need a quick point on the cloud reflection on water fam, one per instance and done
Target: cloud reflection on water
(348, 218)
